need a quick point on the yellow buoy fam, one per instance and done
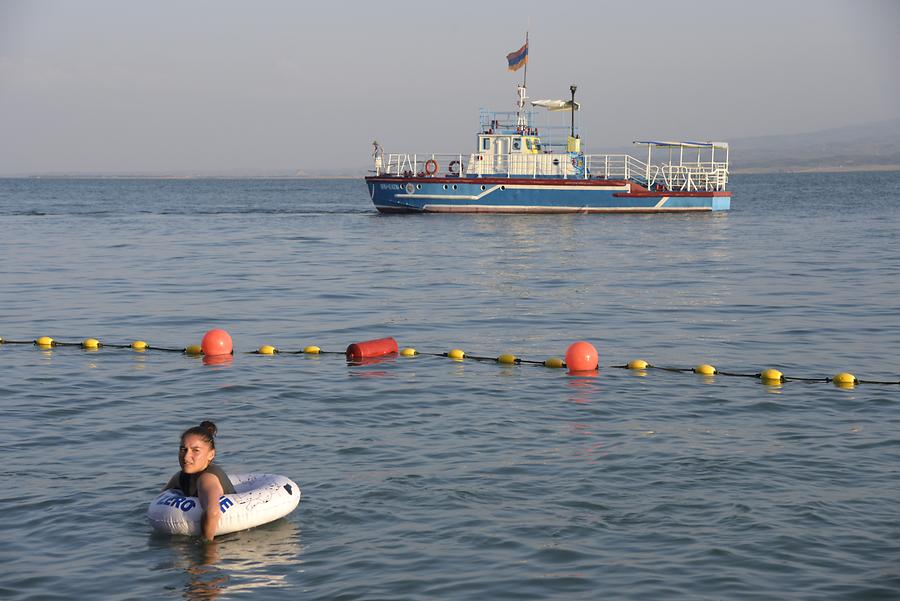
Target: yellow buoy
(312, 350)
(637, 364)
(456, 354)
(771, 376)
(1, 339)
(507, 359)
(193, 350)
(267, 349)
(554, 362)
(44, 341)
(91, 343)
(705, 370)
(409, 352)
(845, 380)
(139, 345)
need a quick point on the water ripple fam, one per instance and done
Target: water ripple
(425, 478)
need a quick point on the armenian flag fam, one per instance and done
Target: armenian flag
(517, 59)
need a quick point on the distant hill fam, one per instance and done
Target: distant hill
(852, 148)
(871, 146)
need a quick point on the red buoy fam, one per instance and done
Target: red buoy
(372, 348)
(216, 342)
(582, 356)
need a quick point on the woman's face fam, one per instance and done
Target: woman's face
(194, 454)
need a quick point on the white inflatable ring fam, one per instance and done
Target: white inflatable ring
(259, 499)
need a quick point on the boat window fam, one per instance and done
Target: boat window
(537, 145)
(530, 143)
(485, 143)
(517, 144)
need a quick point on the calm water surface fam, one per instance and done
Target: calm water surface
(426, 478)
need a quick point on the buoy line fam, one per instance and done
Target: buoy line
(581, 357)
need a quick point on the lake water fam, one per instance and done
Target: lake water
(426, 478)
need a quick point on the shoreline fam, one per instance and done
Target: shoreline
(165, 176)
(820, 169)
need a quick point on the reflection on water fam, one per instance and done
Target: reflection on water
(221, 360)
(206, 580)
(238, 562)
(582, 386)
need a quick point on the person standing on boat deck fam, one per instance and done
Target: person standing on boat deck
(378, 155)
(200, 477)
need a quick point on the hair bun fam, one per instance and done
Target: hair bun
(209, 427)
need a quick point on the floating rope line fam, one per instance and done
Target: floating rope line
(375, 350)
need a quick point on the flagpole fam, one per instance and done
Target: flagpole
(525, 77)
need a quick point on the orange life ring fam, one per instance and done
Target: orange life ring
(431, 167)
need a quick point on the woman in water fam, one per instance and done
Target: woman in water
(200, 477)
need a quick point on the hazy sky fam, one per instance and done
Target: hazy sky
(217, 85)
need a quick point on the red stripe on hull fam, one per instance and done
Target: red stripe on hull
(661, 193)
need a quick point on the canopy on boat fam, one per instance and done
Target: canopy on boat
(555, 105)
(673, 144)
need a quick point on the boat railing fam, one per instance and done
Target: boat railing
(430, 164)
(692, 177)
(621, 166)
(546, 164)
(700, 176)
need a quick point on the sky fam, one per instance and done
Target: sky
(220, 86)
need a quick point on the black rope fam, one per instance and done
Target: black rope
(477, 358)
(517, 361)
(672, 369)
(726, 373)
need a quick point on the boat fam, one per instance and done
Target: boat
(523, 164)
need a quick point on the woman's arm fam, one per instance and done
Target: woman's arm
(173, 482)
(209, 489)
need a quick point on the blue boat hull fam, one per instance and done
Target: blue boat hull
(513, 195)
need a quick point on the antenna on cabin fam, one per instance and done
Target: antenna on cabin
(572, 89)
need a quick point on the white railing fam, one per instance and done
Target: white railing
(476, 165)
(691, 177)
(621, 166)
(421, 165)
(701, 176)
